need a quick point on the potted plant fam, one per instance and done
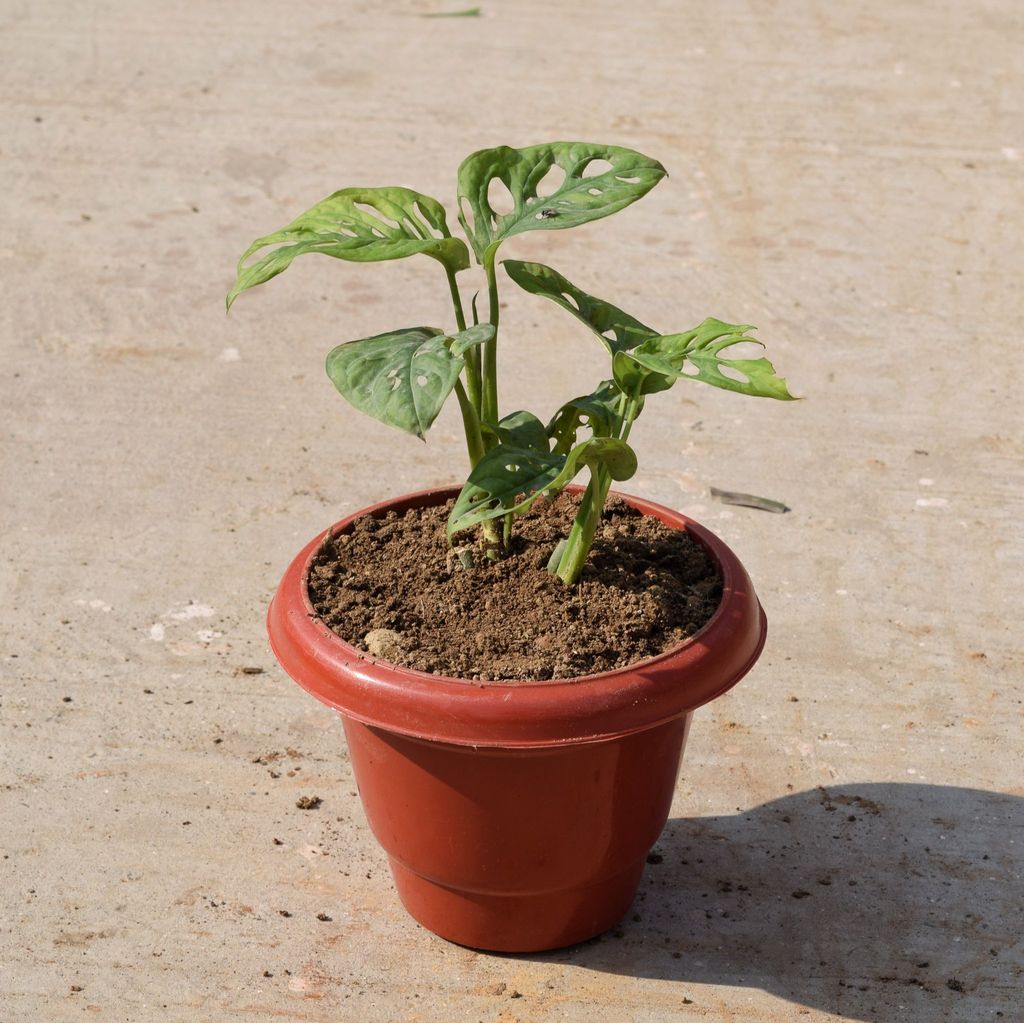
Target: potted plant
(516, 808)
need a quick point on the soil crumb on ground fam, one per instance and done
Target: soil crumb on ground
(393, 588)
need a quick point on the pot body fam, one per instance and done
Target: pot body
(517, 815)
(517, 849)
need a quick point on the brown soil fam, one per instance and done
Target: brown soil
(391, 586)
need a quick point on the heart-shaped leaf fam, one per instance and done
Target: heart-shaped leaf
(598, 409)
(363, 225)
(617, 330)
(508, 480)
(403, 377)
(696, 354)
(575, 200)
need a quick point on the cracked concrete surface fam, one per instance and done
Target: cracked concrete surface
(847, 839)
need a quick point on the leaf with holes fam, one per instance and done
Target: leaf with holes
(697, 355)
(362, 225)
(597, 411)
(575, 198)
(509, 480)
(521, 430)
(705, 354)
(403, 377)
(616, 330)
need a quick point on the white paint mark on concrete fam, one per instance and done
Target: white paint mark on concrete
(191, 610)
(229, 355)
(208, 635)
(925, 482)
(841, 593)
(931, 502)
(1011, 152)
(95, 604)
(157, 632)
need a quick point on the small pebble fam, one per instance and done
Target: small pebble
(386, 644)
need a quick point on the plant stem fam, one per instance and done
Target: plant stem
(577, 546)
(574, 554)
(460, 316)
(471, 425)
(632, 409)
(489, 410)
(620, 411)
(472, 356)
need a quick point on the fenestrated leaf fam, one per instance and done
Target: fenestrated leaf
(403, 377)
(361, 225)
(509, 480)
(521, 430)
(705, 354)
(696, 354)
(576, 199)
(617, 330)
(599, 410)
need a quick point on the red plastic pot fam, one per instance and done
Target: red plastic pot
(517, 816)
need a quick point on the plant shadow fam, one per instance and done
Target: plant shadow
(874, 902)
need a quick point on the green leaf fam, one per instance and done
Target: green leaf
(706, 356)
(521, 430)
(616, 330)
(599, 410)
(403, 377)
(639, 372)
(478, 334)
(359, 224)
(575, 200)
(697, 355)
(508, 479)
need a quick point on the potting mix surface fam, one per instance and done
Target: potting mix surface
(394, 588)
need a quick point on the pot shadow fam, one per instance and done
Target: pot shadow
(874, 902)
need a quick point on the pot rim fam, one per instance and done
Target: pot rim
(529, 712)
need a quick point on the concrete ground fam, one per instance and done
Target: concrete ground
(847, 839)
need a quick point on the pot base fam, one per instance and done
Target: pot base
(517, 923)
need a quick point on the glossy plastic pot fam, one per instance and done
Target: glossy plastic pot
(517, 816)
